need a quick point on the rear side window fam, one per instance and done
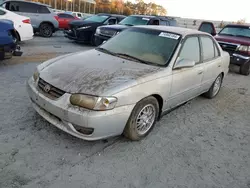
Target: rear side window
(2, 12)
(65, 16)
(163, 22)
(208, 47)
(22, 7)
(190, 50)
(43, 10)
(206, 27)
(79, 15)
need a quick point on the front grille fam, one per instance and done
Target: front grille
(228, 47)
(49, 90)
(109, 33)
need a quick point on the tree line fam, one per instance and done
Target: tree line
(128, 7)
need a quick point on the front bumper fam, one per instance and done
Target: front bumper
(238, 59)
(101, 37)
(78, 35)
(66, 117)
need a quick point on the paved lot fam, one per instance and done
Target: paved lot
(203, 144)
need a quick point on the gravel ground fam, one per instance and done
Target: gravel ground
(203, 144)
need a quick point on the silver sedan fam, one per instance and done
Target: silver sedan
(125, 85)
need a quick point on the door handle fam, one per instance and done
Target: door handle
(200, 72)
(219, 65)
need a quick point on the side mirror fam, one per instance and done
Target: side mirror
(104, 41)
(213, 34)
(184, 63)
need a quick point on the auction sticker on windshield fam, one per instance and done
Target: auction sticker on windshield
(145, 19)
(169, 35)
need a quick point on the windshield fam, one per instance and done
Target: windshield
(97, 18)
(134, 20)
(236, 31)
(151, 46)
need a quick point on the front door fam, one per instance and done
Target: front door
(186, 82)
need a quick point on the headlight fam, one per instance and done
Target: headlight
(93, 102)
(36, 76)
(98, 31)
(84, 27)
(244, 49)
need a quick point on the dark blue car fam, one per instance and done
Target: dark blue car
(8, 40)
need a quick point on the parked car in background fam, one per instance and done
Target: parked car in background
(8, 40)
(84, 30)
(21, 23)
(42, 17)
(64, 19)
(235, 39)
(104, 33)
(127, 83)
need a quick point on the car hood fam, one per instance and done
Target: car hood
(114, 27)
(84, 23)
(233, 39)
(94, 73)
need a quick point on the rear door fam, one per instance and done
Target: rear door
(211, 58)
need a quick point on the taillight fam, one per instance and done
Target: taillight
(244, 49)
(26, 21)
(56, 17)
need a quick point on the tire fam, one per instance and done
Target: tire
(92, 40)
(46, 30)
(136, 131)
(98, 41)
(216, 85)
(245, 69)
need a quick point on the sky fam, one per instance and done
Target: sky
(226, 10)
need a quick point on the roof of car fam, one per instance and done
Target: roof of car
(178, 30)
(28, 2)
(106, 14)
(154, 16)
(239, 25)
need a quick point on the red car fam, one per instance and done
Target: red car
(64, 19)
(234, 39)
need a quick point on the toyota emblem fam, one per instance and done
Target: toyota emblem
(46, 88)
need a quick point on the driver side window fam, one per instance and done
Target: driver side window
(190, 50)
(111, 21)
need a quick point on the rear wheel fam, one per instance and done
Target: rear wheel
(46, 30)
(245, 69)
(142, 119)
(215, 88)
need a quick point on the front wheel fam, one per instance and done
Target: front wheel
(215, 88)
(142, 119)
(245, 69)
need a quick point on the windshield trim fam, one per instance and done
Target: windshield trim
(151, 63)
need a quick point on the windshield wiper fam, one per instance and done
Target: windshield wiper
(241, 36)
(129, 24)
(105, 50)
(226, 34)
(134, 58)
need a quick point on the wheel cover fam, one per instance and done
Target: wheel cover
(46, 30)
(145, 119)
(217, 85)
